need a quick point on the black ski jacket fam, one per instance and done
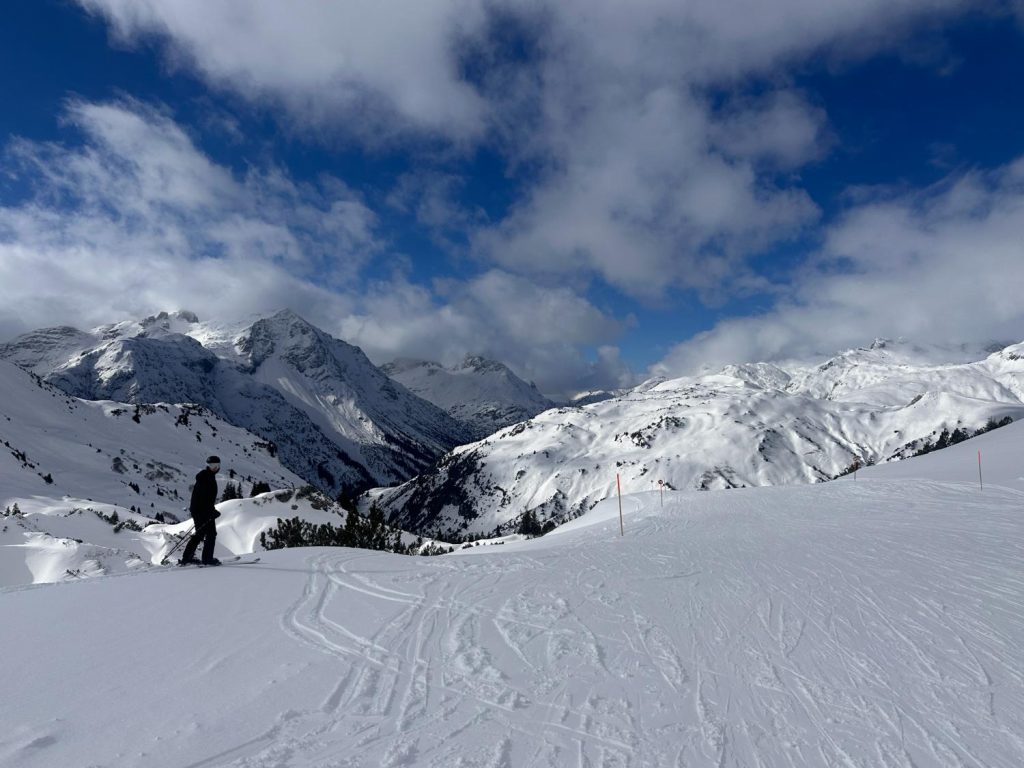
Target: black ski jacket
(204, 496)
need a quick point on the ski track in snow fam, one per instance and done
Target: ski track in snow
(821, 657)
(886, 634)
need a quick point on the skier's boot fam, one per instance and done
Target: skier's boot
(211, 561)
(190, 561)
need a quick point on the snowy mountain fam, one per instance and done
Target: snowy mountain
(873, 623)
(483, 393)
(80, 479)
(748, 425)
(332, 416)
(594, 396)
(54, 445)
(97, 488)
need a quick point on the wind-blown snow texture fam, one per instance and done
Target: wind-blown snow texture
(863, 623)
(482, 393)
(747, 425)
(335, 419)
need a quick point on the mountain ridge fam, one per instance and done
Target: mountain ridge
(746, 425)
(336, 419)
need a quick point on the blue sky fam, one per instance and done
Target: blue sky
(589, 192)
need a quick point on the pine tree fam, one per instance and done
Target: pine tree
(230, 492)
(345, 500)
(353, 532)
(529, 525)
(376, 533)
(258, 488)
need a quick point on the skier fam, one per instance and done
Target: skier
(204, 496)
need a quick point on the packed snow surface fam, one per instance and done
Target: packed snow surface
(868, 622)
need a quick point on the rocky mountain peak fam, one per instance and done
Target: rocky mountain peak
(480, 364)
(167, 318)
(482, 393)
(402, 365)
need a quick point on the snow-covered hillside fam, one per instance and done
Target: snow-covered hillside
(334, 418)
(53, 540)
(483, 393)
(748, 425)
(869, 623)
(53, 445)
(80, 479)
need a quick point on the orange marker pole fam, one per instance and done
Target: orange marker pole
(980, 483)
(618, 486)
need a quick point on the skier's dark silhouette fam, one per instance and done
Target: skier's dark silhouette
(204, 514)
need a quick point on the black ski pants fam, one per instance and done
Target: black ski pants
(206, 532)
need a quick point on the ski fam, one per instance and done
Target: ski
(237, 560)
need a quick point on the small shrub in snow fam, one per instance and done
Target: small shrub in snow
(115, 520)
(316, 499)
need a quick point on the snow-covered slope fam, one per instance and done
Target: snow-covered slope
(748, 425)
(387, 429)
(52, 540)
(334, 418)
(890, 374)
(869, 623)
(483, 393)
(993, 459)
(595, 396)
(54, 445)
(79, 479)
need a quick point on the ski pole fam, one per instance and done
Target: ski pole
(183, 539)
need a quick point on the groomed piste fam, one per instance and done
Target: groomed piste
(874, 621)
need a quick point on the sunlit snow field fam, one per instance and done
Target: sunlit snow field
(868, 622)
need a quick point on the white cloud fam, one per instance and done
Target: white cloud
(645, 182)
(641, 198)
(944, 266)
(387, 63)
(137, 219)
(780, 129)
(641, 156)
(538, 331)
(661, 172)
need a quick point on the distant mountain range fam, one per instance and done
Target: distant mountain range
(482, 393)
(755, 424)
(288, 403)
